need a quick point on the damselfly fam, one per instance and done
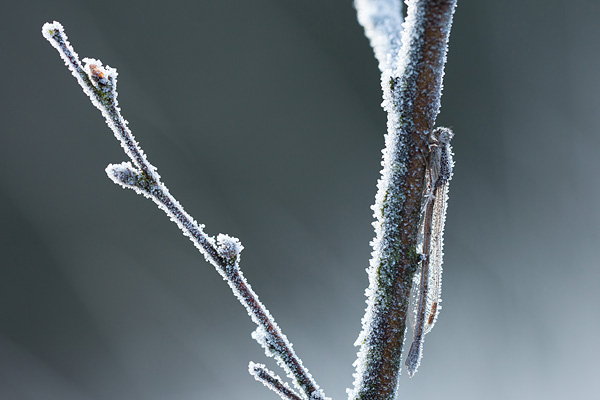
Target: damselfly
(427, 284)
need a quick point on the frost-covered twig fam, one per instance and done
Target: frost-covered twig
(272, 381)
(412, 83)
(99, 83)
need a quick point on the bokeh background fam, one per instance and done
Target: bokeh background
(263, 118)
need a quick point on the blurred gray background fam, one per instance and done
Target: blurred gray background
(263, 118)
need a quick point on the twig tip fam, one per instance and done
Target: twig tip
(103, 77)
(124, 174)
(52, 28)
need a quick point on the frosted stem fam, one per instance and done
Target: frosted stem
(411, 91)
(99, 83)
(272, 381)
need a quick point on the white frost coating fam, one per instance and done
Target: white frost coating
(393, 166)
(103, 78)
(55, 34)
(229, 247)
(99, 83)
(382, 20)
(400, 95)
(124, 174)
(272, 381)
(262, 338)
(92, 79)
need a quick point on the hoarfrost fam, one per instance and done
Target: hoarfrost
(382, 20)
(124, 174)
(229, 248)
(104, 78)
(403, 59)
(99, 83)
(262, 338)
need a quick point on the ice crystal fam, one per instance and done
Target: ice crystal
(229, 248)
(382, 20)
(262, 337)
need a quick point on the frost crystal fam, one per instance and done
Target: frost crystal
(124, 174)
(104, 78)
(382, 20)
(229, 248)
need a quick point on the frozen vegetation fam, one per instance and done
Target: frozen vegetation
(410, 200)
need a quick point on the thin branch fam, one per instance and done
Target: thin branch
(412, 92)
(99, 83)
(272, 381)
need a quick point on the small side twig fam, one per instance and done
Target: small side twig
(272, 381)
(99, 83)
(411, 81)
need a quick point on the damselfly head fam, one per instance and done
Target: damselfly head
(443, 135)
